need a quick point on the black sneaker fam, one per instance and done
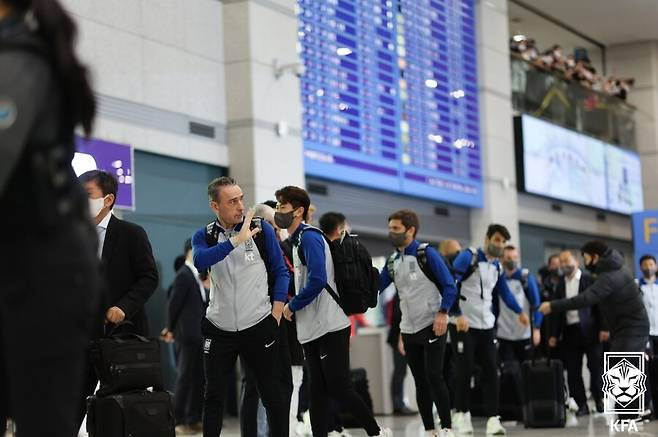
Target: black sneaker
(404, 411)
(583, 410)
(599, 406)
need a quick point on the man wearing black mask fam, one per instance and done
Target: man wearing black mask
(649, 288)
(550, 277)
(617, 295)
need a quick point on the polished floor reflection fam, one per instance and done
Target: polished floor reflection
(591, 426)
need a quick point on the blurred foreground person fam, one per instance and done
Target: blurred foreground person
(50, 282)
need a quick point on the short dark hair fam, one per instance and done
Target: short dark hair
(330, 221)
(495, 228)
(179, 262)
(187, 246)
(595, 247)
(216, 184)
(270, 203)
(646, 257)
(551, 257)
(105, 181)
(297, 197)
(408, 219)
(509, 247)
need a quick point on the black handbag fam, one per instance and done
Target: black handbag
(125, 362)
(138, 413)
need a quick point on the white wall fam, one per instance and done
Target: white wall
(163, 60)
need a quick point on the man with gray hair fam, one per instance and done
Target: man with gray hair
(249, 287)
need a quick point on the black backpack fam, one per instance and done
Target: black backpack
(212, 236)
(356, 278)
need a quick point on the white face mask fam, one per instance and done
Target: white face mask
(95, 206)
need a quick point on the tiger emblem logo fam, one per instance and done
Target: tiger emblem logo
(624, 383)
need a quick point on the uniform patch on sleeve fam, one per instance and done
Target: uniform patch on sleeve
(8, 113)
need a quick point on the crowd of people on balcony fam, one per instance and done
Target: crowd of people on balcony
(574, 66)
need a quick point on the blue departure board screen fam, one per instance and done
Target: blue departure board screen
(390, 96)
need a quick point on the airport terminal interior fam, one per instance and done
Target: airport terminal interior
(483, 173)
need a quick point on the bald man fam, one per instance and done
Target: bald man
(449, 249)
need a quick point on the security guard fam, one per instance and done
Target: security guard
(50, 276)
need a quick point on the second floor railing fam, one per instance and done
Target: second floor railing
(551, 96)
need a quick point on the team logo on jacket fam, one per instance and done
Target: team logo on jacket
(206, 345)
(624, 382)
(7, 113)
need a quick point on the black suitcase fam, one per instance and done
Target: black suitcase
(139, 413)
(362, 387)
(511, 391)
(544, 391)
(125, 362)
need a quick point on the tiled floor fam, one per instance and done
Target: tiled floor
(591, 426)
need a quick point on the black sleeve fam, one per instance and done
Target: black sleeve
(596, 292)
(25, 82)
(181, 289)
(145, 271)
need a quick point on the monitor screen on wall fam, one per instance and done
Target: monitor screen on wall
(624, 180)
(390, 96)
(114, 158)
(565, 165)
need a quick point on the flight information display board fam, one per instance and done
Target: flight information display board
(390, 96)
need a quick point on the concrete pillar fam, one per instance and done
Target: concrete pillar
(640, 60)
(263, 111)
(496, 127)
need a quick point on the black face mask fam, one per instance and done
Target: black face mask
(397, 239)
(591, 267)
(511, 265)
(648, 273)
(284, 219)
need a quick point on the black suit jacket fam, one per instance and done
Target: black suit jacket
(591, 321)
(131, 276)
(186, 307)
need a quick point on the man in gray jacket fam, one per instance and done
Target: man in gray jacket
(617, 295)
(246, 267)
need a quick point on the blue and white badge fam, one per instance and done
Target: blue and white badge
(8, 113)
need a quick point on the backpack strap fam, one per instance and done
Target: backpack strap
(212, 234)
(300, 253)
(390, 265)
(473, 266)
(421, 258)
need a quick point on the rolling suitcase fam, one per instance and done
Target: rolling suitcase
(139, 413)
(544, 392)
(511, 391)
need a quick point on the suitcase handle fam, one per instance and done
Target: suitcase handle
(112, 331)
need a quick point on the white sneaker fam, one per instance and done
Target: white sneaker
(465, 424)
(494, 427)
(302, 429)
(572, 405)
(385, 432)
(446, 432)
(430, 434)
(345, 433)
(334, 434)
(456, 419)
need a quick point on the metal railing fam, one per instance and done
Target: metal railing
(553, 97)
